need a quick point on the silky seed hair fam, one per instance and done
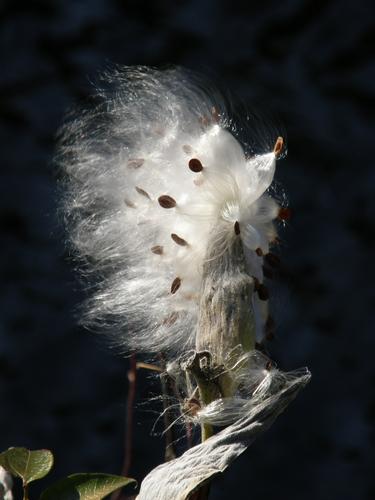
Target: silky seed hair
(153, 172)
(257, 382)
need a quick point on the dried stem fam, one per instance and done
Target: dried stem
(207, 378)
(25, 491)
(132, 379)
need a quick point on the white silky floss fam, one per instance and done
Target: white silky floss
(173, 220)
(154, 173)
(260, 384)
(6, 485)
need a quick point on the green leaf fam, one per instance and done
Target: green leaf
(94, 486)
(26, 464)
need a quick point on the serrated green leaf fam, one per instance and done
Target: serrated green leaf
(27, 464)
(94, 486)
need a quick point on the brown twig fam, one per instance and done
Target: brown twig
(132, 379)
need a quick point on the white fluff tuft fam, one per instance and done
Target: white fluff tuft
(255, 381)
(6, 485)
(153, 173)
(259, 382)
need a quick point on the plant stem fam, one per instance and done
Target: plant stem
(204, 373)
(25, 491)
(132, 379)
(206, 431)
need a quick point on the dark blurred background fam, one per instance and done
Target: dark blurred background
(310, 63)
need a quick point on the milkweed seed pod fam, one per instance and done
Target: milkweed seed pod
(171, 214)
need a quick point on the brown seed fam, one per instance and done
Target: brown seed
(269, 365)
(191, 406)
(195, 165)
(272, 259)
(237, 229)
(278, 146)
(160, 131)
(259, 252)
(215, 114)
(170, 319)
(284, 213)
(187, 149)
(129, 203)
(158, 250)
(190, 296)
(166, 201)
(204, 121)
(178, 240)
(142, 192)
(175, 285)
(262, 292)
(135, 162)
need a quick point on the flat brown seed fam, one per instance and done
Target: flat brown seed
(269, 365)
(204, 121)
(272, 259)
(237, 229)
(135, 162)
(129, 203)
(259, 252)
(190, 296)
(187, 149)
(284, 213)
(278, 146)
(142, 192)
(195, 165)
(157, 249)
(160, 131)
(175, 285)
(166, 201)
(215, 114)
(178, 240)
(171, 319)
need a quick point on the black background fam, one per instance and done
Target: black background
(309, 63)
